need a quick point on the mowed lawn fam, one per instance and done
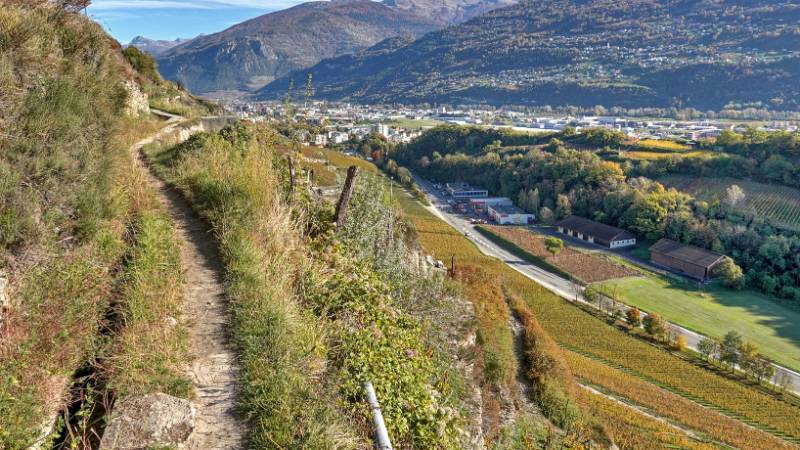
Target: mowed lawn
(714, 311)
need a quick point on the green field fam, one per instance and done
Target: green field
(714, 311)
(779, 204)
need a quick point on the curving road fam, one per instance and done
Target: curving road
(555, 283)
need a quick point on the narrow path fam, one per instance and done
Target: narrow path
(214, 371)
(523, 385)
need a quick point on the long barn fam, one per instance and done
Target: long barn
(687, 260)
(596, 232)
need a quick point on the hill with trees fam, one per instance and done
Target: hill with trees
(634, 53)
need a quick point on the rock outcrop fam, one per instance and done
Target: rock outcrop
(154, 420)
(137, 102)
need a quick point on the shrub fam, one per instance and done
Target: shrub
(554, 245)
(707, 347)
(729, 348)
(680, 343)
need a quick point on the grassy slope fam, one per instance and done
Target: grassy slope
(79, 231)
(63, 207)
(310, 324)
(498, 364)
(714, 311)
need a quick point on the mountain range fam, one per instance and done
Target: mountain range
(253, 53)
(153, 46)
(705, 54)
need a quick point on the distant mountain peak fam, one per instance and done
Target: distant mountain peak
(154, 46)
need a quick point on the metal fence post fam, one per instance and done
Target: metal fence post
(382, 441)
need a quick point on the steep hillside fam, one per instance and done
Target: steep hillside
(634, 53)
(253, 53)
(83, 244)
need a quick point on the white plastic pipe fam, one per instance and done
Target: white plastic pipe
(382, 441)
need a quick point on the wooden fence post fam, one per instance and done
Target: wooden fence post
(344, 198)
(292, 175)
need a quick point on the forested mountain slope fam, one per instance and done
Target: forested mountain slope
(253, 53)
(701, 54)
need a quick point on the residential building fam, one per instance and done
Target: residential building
(596, 232)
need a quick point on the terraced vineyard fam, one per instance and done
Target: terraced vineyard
(778, 204)
(660, 145)
(675, 408)
(654, 155)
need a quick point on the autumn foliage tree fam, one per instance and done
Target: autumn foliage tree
(655, 326)
(634, 317)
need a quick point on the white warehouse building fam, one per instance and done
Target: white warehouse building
(509, 215)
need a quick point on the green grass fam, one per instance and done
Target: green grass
(714, 311)
(149, 354)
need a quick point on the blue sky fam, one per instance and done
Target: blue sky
(171, 19)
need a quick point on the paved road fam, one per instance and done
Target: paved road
(555, 283)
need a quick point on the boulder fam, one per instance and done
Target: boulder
(154, 420)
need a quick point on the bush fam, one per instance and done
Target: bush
(554, 245)
(680, 343)
(143, 63)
